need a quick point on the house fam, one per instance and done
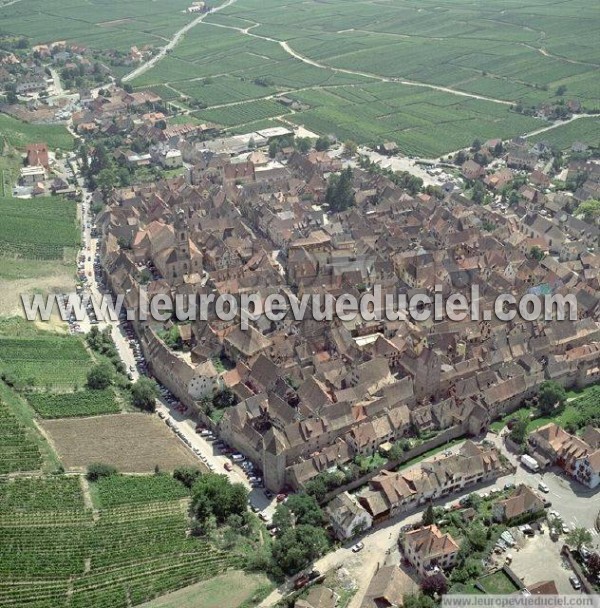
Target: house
(429, 550)
(471, 170)
(37, 155)
(387, 588)
(347, 517)
(32, 175)
(523, 501)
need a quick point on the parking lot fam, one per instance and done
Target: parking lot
(538, 559)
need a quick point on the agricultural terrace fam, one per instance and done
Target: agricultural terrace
(78, 403)
(38, 229)
(133, 443)
(18, 452)
(32, 358)
(60, 554)
(431, 77)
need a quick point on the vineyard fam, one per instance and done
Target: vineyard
(120, 490)
(58, 554)
(18, 133)
(44, 360)
(79, 403)
(17, 451)
(39, 229)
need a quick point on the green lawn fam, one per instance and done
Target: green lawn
(497, 583)
(428, 454)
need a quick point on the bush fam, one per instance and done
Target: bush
(100, 377)
(97, 470)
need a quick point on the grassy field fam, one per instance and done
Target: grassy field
(497, 583)
(56, 554)
(38, 229)
(225, 591)
(134, 443)
(18, 134)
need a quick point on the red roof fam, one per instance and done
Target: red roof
(37, 155)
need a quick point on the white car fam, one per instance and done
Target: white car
(543, 487)
(358, 547)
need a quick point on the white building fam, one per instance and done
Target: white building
(32, 175)
(347, 517)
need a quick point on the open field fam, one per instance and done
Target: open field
(225, 591)
(58, 555)
(32, 357)
(134, 443)
(18, 133)
(79, 403)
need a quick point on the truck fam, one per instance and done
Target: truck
(530, 463)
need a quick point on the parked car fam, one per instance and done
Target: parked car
(358, 547)
(575, 582)
(301, 581)
(543, 487)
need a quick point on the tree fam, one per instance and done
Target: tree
(305, 509)
(590, 210)
(518, 433)
(593, 564)
(535, 253)
(350, 147)
(143, 394)
(498, 149)
(213, 494)
(340, 193)
(579, 537)
(187, 475)
(434, 585)
(97, 470)
(460, 157)
(296, 547)
(303, 144)
(551, 396)
(477, 536)
(561, 90)
(100, 377)
(476, 145)
(428, 516)
(107, 180)
(224, 399)
(418, 600)
(322, 144)
(478, 193)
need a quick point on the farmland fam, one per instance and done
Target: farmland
(58, 553)
(38, 229)
(30, 357)
(120, 490)
(585, 130)
(134, 443)
(79, 403)
(18, 133)
(17, 451)
(319, 52)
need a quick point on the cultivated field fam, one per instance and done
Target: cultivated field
(57, 554)
(38, 229)
(134, 443)
(17, 451)
(29, 357)
(18, 133)
(78, 403)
